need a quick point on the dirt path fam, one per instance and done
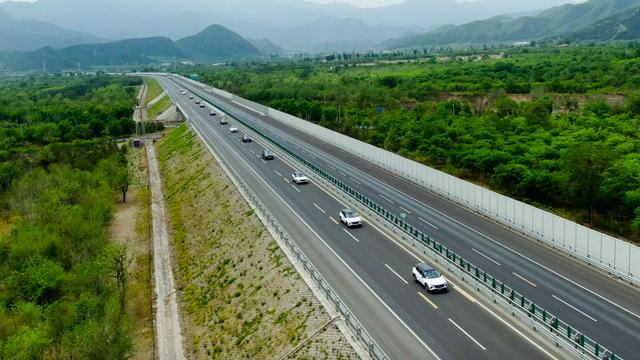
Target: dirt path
(140, 112)
(168, 335)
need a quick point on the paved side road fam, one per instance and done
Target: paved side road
(167, 318)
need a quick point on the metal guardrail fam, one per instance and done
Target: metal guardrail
(353, 324)
(563, 334)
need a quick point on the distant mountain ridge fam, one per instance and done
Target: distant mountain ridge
(552, 22)
(214, 42)
(622, 26)
(25, 35)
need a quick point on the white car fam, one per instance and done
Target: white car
(233, 129)
(298, 177)
(350, 218)
(212, 113)
(429, 277)
(223, 121)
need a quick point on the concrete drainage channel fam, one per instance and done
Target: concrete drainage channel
(318, 284)
(573, 342)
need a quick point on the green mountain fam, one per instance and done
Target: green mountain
(26, 35)
(622, 26)
(555, 21)
(215, 42)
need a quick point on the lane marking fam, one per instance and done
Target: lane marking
(278, 173)
(331, 167)
(525, 280)
(384, 197)
(341, 173)
(469, 336)
(334, 220)
(398, 275)
(264, 162)
(464, 293)
(486, 257)
(356, 181)
(319, 208)
(353, 237)
(295, 188)
(427, 300)
(285, 179)
(574, 308)
(428, 223)
(405, 210)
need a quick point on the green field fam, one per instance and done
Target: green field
(555, 127)
(158, 108)
(153, 89)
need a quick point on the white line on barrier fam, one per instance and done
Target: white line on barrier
(428, 223)
(486, 257)
(396, 274)
(469, 336)
(574, 308)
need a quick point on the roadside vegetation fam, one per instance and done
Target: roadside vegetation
(63, 289)
(555, 127)
(153, 89)
(241, 298)
(159, 107)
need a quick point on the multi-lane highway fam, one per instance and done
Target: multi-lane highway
(371, 272)
(595, 304)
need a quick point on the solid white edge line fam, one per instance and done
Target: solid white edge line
(466, 333)
(486, 257)
(396, 274)
(575, 308)
(334, 253)
(353, 237)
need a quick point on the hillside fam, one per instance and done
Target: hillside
(26, 35)
(622, 26)
(214, 42)
(266, 46)
(552, 22)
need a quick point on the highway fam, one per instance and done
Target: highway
(601, 307)
(370, 271)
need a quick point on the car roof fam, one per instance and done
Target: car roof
(424, 266)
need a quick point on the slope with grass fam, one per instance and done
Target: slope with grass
(242, 298)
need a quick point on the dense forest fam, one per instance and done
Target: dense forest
(557, 127)
(63, 284)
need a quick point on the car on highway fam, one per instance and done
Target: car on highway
(223, 121)
(350, 218)
(267, 155)
(202, 105)
(197, 102)
(233, 129)
(246, 138)
(191, 97)
(212, 113)
(430, 278)
(299, 177)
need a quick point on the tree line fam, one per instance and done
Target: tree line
(554, 127)
(63, 288)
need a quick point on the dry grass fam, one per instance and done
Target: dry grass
(241, 298)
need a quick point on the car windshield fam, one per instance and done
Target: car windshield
(350, 214)
(432, 274)
(267, 152)
(299, 174)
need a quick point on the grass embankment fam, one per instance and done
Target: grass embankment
(242, 298)
(131, 228)
(158, 108)
(153, 89)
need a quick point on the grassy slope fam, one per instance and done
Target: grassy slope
(158, 108)
(242, 297)
(153, 89)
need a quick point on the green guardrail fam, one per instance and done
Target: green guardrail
(534, 311)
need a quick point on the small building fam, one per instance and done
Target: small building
(136, 143)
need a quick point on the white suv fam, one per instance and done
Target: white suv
(350, 218)
(298, 177)
(429, 277)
